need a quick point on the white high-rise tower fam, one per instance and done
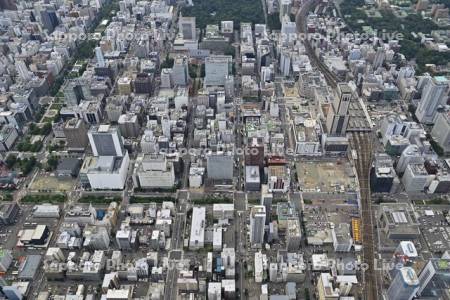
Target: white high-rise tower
(434, 94)
(257, 223)
(99, 56)
(404, 286)
(23, 71)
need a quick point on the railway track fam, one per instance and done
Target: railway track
(300, 21)
(361, 142)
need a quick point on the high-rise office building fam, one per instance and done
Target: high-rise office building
(8, 213)
(257, 224)
(187, 27)
(5, 260)
(403, 256)
(76, 90)
(220, 166)
(123, 238)
(129, 125)
(106, 140)
(382, 174)
(285, 8)
(337, 119)
(254, 155)
(434, 94)
(229, 87)
(411, 154)
(143, 84)
(166, 126)
(49, 19)
(379, 58)
(99, 56)
(227, 27)
(23, 71)
(288, 28)
(434, 279)
(76, 131)
(293, 234)
(266, 200)
(405, 72)
(166, 78)
(180, 73)
(197, 236)
(8, 4)
(441, 130)
(217, 69)
(12, 292)
(404, 286)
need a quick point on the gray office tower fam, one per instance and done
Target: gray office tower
(49, 19)
(434, 94)
(404, 286)
(76, 131)
(106, 140)
(337, 119)
(257, 225)
(220, 166)
(435, 279)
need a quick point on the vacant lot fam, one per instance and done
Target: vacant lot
(52, 183)
(324, 176)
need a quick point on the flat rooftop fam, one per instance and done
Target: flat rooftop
(435, 232)
(198, 225)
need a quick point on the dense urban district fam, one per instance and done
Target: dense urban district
(214, 149)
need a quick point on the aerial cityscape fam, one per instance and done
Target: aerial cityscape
(213, 149)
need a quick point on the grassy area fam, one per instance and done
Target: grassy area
(307, 201)
(138, 199)
(274, 201)
(47, 198)
(254, 201)
(214, 11)
(6, 196)
(434, 201)
(206, 249)
(99, 199)
(381, 199)
(210, 200)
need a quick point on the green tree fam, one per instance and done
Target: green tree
(167, 63)
(202, 71)
(85, 50)
(27, 164)
(44, 130)
(307, 297)
(273, 21)
(52, 163)
(214, 11)
(11, 161)
(33, 128)
(230, 51)
(193, 71)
